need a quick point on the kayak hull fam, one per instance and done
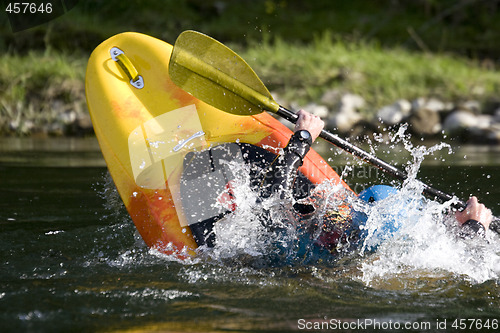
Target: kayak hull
(145, 130)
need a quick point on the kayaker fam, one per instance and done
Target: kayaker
(475, 219)
(334, 230)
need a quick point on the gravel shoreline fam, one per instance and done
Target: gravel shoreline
(426, 118)
(346, 114)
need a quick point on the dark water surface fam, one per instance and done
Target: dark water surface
(70, 261)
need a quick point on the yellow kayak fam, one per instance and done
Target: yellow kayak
(146, 126)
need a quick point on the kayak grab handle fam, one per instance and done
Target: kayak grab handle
(128, 67)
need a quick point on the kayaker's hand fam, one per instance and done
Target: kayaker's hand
(310, 123)
(475, 211)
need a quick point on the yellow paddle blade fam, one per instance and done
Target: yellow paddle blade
(213, 73)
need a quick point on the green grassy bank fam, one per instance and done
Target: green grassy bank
(382, 50)
(302, 73)
(41, 93)
(37, 89)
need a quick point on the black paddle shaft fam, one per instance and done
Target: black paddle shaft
(373, 160)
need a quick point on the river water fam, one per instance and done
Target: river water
(71, 260)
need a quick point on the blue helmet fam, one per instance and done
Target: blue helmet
(377, 192)
(389, 223)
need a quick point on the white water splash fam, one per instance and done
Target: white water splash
(240, 233)
(427, 241)
(427, 245)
